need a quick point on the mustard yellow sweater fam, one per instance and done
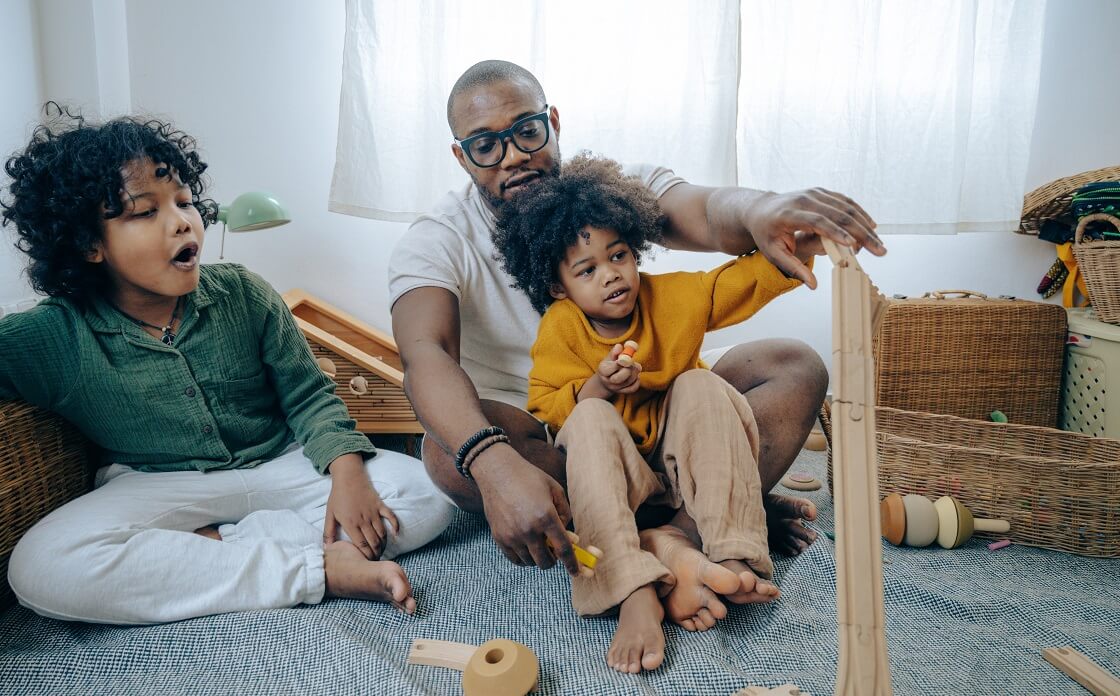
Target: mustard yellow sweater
(673, 312)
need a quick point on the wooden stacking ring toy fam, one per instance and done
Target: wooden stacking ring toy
(956, 523)
(917, 524)
(801, 481)
(498, 667)
(892, 518)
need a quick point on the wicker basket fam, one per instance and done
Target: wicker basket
(1099, 260)
(44, 462)
(969, 355)
(1053, 199)
(1058, 490)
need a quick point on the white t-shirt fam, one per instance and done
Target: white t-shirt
(451, 248)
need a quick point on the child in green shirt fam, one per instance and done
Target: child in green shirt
(233, 476)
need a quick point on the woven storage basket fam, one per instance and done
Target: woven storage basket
(1099, 260)
(965, 354)
(1058, 490)
(44, 462)
(1053, 199)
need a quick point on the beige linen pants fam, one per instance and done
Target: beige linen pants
(706, 460)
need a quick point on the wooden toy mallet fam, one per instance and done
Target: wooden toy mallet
(498, 667)
(915, 520)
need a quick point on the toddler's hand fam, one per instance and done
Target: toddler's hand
(616, 377)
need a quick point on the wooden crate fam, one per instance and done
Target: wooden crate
(357, 350)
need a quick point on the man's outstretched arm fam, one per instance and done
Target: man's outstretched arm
(738, 221)
(524, 505)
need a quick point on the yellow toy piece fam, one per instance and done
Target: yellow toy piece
(587, 557)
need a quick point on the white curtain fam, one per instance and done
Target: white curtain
(922, 112)
(649, 81)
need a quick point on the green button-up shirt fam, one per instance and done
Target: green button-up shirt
(239, 384)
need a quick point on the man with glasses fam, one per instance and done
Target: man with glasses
(464, 333)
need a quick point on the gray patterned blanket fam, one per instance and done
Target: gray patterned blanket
(966, 621)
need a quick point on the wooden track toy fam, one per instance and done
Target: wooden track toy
(857, 307)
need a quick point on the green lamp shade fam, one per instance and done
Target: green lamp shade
(255, 210)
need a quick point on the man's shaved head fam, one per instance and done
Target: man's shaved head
(489, 72)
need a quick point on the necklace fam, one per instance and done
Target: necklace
(168, 337)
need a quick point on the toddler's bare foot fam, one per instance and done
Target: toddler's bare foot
(350, 575)
(209, 531)
(692, 603)
(639, 642)
(752, 589)
(784, 521)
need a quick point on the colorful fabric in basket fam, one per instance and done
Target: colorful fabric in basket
(1098, 198)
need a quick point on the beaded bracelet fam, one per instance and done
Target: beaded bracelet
(479, 449)
(473, 440)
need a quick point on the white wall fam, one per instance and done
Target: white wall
(22, 97)
(257, 82)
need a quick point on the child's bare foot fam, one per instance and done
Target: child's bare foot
(209, 531)
(692, 603)
(752, 589)
(639, 642)
(784, 522)
(350, 575)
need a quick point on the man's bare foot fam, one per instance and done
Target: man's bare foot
(209, 531)
(785, 522)
(692, 603)
(639, 642)
(752, 589)
(350, 575)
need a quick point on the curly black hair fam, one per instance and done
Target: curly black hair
(68, 180)
(537, 227)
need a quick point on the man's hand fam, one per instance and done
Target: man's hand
(354, 504)
(786, 228)
(526, 508)
(612, 377)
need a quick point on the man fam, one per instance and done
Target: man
(464, 333)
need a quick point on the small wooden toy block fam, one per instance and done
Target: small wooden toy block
(784, 690)
(1083, 670)
(498, 667)
(363, 362)
(587, 557)
(626, 358)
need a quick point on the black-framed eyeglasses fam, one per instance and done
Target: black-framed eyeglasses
(488, 149)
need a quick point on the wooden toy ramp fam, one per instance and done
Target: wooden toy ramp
(362, 360)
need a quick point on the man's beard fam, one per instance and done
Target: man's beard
(497, 203)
